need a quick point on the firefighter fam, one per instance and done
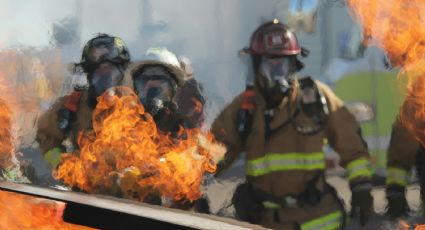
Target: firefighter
(162, 85)
(280, 122)
(190, 97)
(173, 98)
(403, 152)
(104, 60)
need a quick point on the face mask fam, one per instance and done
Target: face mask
(105, 76)
(277, 71)
(154, 87)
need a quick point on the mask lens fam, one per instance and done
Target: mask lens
(275, 69)
(153, 88)
(104, 77)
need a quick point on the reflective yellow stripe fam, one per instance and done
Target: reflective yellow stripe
(53, 156)
(270, 205)
(358, 168)
(328, 222)
(272, 162)
(14, 174)
(396, 176)
(325, 141)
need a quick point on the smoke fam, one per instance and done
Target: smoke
(209, 32)
(52, 33)
(397, 26)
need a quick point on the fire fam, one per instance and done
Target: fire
(126, 155)
(398, 27)
(413, 109)
(10, 167)
(404, 225)
(29, 80)
(20, 211)
(26, 212)
(6, 145)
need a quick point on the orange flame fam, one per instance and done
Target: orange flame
(26, 212)
(29, 80)
(404, 225)
(20, 211)
(6, 145)
(398, 27)
(22, 84)
(125, 154)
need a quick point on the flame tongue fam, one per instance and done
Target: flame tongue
(6, 144)
(412, 111)
(25, 212)
(126, 155)
(398, 26)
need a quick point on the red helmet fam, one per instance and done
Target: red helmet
(274, 39)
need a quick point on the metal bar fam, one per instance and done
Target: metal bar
(132, 208)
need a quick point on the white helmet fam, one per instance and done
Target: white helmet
(186, 65)
(162, 54)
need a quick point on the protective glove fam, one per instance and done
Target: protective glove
(361, 202)
(52, 157)
(397, 203)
